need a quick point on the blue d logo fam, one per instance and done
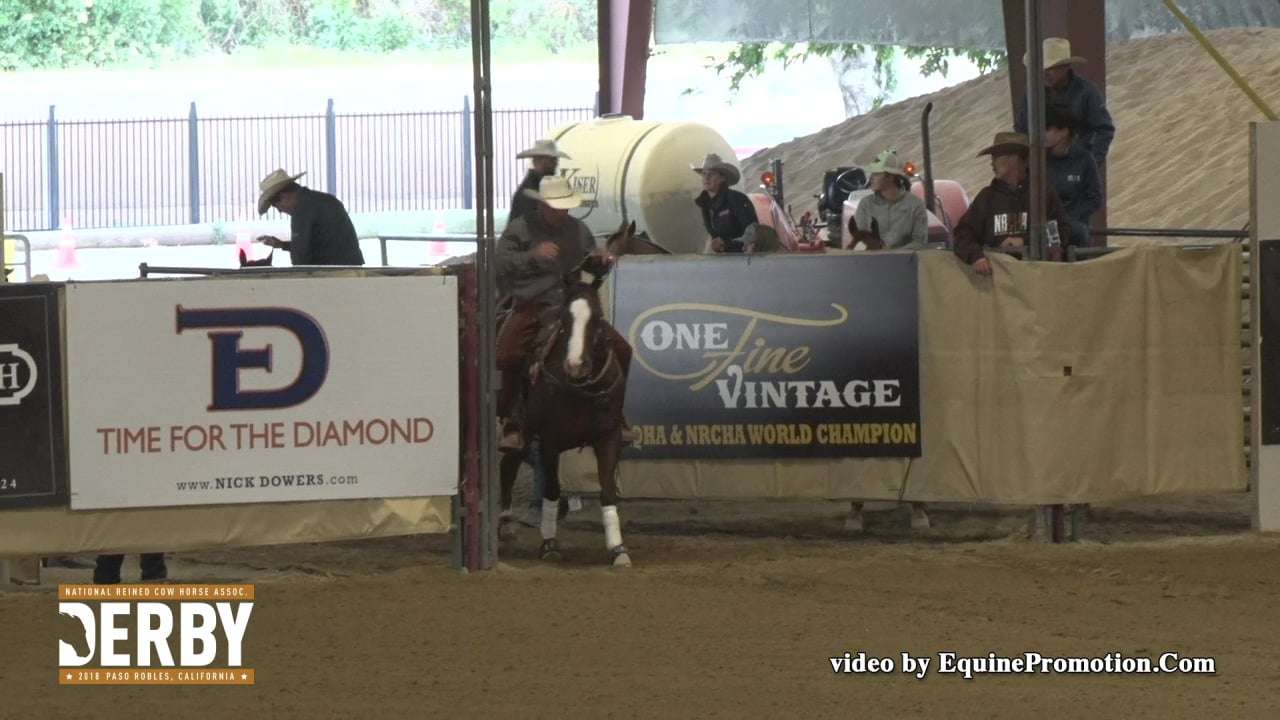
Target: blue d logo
(229, 358)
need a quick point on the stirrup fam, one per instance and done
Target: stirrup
(510, 438)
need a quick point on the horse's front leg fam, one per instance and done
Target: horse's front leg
(508, 466)
(608, 450)
(550, 549)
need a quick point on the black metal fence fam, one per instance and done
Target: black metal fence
(175, 171)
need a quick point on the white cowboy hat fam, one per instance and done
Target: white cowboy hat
(271, 185)
(713, 162)
(887, 162)
(555, 191)
(1057, 51)
(544, 148)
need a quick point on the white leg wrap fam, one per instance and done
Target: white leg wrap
(550, 508)
(612, 531)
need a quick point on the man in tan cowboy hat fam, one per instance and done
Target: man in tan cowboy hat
(544, 159)
(998, 215)
(321, 229)
(1081, 97)
(533, 254)
(727, 214)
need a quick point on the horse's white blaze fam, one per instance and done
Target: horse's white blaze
(580, 309)
(612, 531)
(549, 510)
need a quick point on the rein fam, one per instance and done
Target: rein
(582, 388)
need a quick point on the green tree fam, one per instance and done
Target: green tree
(105, 33)
(848, 61)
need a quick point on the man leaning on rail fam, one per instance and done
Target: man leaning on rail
(321, 229)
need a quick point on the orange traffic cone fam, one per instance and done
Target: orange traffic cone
(67, 259)
(243, 244)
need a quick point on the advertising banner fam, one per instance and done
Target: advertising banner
(201, 392)
(32, 441)
(772, 357)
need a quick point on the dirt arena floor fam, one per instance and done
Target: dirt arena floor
(731, 611)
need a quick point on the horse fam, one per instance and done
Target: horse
(574, 399)
(626, 241)
(264, 262)
(870, 239)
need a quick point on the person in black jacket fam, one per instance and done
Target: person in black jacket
(1071, 171)
(544, 160)
(321, 230)
(1080, 96)
(997, 217)
(727, 214)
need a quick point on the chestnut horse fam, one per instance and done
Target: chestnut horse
(575, 399)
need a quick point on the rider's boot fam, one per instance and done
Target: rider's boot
(510, 438)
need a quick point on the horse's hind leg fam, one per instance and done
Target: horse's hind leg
(607, 453)
(550, 549)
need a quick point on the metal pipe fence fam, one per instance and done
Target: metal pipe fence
(177, 171)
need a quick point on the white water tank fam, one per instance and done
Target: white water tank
(630, 169)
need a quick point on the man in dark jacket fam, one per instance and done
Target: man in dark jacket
(998, 215)
(544, 159)
(726, 213)
(321, 229)
(1081, 97)
(1071, 171)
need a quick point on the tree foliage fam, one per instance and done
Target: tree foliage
(106, 33)
(750, 60)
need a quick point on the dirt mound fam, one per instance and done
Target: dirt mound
(1180, 157)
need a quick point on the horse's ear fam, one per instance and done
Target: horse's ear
(631, 229)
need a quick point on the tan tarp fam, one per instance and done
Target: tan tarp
(59, 530)
(1151, 404)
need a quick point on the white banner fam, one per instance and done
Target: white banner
(204, 392)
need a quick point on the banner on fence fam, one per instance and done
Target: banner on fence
(199, 392)
(32, 441)
(771, 357)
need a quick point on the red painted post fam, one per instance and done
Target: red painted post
(623, 32)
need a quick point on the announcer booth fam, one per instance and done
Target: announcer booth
(245, 407)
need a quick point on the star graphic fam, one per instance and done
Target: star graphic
(68, 676)
(243, 676)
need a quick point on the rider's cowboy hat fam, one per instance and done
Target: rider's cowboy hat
(271, 185)
(887, 162)
(543, 148)
(1057, 51)
(555, 191)
(713, 162)
(1007, 142)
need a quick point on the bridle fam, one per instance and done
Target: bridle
(589, 386)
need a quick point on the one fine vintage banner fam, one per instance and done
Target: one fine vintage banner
(32, 442)
(199, 392)
(779, 356)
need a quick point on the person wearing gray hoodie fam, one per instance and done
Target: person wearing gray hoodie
(899, 218)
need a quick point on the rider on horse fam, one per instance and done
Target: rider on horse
(534, 254)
